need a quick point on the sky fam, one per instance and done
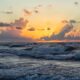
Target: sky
(39, 20)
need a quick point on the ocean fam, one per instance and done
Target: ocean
(40, 61)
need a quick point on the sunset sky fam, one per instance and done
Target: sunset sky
(39, 20)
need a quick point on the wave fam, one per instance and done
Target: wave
(41, 61)
(48, 51)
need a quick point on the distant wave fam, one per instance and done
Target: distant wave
(48, 51)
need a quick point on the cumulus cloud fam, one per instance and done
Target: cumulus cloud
(75, 34)
(66, 29)
(18, 24)
(12, 33)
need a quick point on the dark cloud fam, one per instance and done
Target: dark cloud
(4, 24)
(31, 29)
(18, 24)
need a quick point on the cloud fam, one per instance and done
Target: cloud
(73, 38)
(4, 24)
(74, 34)
(7, 12)
(48, 28)
(38, 6)
(31, 29)
(36, 11)
(27, 12)
(64, 21)
(76, 3)
(66, 29)
(12, 35)
(18, 24)
(70, 21)
(73, 21)
(13, 31)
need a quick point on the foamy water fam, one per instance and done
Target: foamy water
(41, 61)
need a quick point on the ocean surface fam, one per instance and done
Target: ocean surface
(39, 61)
